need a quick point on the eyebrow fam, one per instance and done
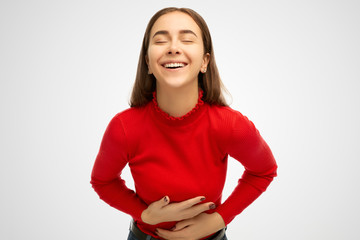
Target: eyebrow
(163, 32)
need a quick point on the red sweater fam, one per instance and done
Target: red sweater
(181, 158)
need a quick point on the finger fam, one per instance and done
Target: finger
(197, 209)
(163, 202)
(162, 233)
(166, 234)
(191, 202)
(182, 224)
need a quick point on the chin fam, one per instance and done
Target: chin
(177, 83)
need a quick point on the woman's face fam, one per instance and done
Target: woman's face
(176, 53)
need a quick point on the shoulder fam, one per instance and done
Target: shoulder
(131, 114)
(127, 119)
(231, 123)
(224, 120)
(226, 115)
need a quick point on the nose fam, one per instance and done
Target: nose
(174, 49)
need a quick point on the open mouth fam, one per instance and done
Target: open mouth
(174, 65)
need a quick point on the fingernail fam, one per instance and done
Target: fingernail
(173, 228)
(212, 206)
(202, 199)
(165, 199)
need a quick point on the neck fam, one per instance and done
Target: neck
(177, 102)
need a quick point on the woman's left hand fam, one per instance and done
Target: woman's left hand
(197, 227)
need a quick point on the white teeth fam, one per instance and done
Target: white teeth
(174, 65)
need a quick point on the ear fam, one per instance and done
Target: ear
(206, 60)
(147, 62)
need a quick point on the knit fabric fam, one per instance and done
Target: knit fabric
(181, 158)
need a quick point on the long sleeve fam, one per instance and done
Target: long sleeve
(247, 146)
(106, 174)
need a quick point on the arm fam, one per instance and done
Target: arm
(249, 148)
(198, 227)
(109, 163)
(245, 144)
(164, 211)
(106, 181)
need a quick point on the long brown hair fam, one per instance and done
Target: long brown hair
(209, 81)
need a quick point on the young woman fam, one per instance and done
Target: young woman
(176, 138)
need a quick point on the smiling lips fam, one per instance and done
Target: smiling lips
(174, 65)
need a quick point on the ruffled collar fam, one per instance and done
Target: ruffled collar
(187, 115)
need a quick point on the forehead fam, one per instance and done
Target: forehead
(174, 22)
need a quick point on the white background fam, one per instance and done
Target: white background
(67, 67)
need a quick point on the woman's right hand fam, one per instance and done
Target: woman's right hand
(164, 211)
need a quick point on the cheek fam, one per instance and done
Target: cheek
(154, 54)
(198, 60)
(151, 52)
(150, 56)
(155, 51)
(196, 54)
